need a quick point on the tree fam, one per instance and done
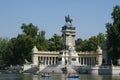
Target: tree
(29, 29)
(20, 48)
(101, 39)
(11, 57)
(3, 50)
(113, 35)
(42, 42)
(25, 43)
(55, 43)
(78, 44)
(91, 44)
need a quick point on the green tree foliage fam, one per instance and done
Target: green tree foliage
(55, 43)
(11, 57)
(26, 41)
(101, 38)
(29, 29)
(79, 43)
(21, 46)
(113, 35)
(3, 50)
(90, 44)
(42, 42)
(25, 44)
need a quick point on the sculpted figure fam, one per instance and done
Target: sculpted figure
(67, 19)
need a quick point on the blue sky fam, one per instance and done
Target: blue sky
(89, 16)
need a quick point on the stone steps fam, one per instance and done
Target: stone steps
(58, 69)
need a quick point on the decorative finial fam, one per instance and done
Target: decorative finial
(34, 49)
(67, 19)
(99, 50)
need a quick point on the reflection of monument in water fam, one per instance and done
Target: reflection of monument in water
(50, 61)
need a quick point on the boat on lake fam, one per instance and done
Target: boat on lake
(45, 76)
(73, 76)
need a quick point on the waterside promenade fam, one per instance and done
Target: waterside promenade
(99, 70)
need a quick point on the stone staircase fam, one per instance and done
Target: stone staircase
(58, 69)
(51, 69)
(70, 69)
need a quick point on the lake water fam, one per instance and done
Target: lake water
(56, 77)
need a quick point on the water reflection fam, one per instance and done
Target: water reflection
(56, 77)
(10, 77)
(82, 77)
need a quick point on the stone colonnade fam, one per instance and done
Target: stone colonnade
(90, 58)
(87, 60)
(45, 58)
(51, 58)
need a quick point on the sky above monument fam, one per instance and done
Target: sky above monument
(89, 17)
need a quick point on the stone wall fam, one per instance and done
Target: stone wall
(101, 70)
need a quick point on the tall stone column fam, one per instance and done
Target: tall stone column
(80, 60)
(35, 57)
(35, 60)
(48, 61)
(83, 60)
(45, 60)
(99, 51)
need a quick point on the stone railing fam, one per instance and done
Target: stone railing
(92, 52)
(47, 52)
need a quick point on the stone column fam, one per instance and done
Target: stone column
(48, 60)
(83, 60)
(42, 60)
(45, 60)
(80, 60)
(99, 57)
(56, 60)
(90, 60)
(35, 57)
(87, 60)
(52, 60)
(35, 60)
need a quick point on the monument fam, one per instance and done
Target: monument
(68, 54)
(67, 57)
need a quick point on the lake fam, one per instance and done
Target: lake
(56, 77)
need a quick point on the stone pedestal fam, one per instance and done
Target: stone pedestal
(118, 62)
(68, 58)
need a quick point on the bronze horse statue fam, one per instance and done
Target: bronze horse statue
(67, 19)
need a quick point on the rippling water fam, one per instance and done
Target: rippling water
(56, 77)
